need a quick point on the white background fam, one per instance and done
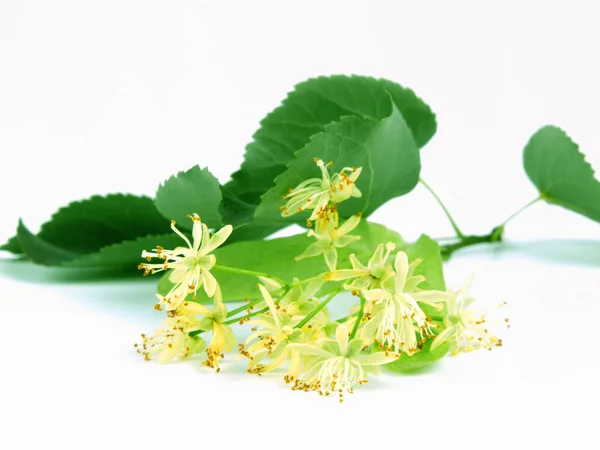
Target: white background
(114, 96)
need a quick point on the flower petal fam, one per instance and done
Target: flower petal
(330, 254)
(230, 339)
(341, 337)
(373, 295)
(442, 337)
(343, 241)
(210, 283)
(375, 359)
(432, 297)
(196, 232)
(311, 251)
(345, 274)
(311, 350)
(193, 308)
(357, 265)
(270, 303)
(216, 240)
(402, 267)
(349, 225)
(377, 256)
(412, 283)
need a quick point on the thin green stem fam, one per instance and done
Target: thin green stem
(251, 305)
(247, 316)
(361, 312)
(448, 215)
(466, 241)
(520, 210)
(248, 272)
(318, 308)
(307, 280)
(245, 307)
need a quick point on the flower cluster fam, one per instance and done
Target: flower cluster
(321, 195)
(291, 328)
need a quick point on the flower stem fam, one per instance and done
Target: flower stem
(520, 210)
(448, 215)
(307, 280)
(253, 303)
(361, 311)
(495, 235)
(466, 241)
(248, 272)
(318, 308)
(245, 307)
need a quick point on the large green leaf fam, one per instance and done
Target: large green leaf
(13, 246)
(276, 257)
(41, 251)
(385, 150)
(124, 256)
(420, 360)
(306, 111)
(556, 167)
(194, 191)
(87, 226)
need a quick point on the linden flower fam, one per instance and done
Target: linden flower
(339, 364)
(191, 266)
(298, 302)
(396, 317)
(316, 193)
(373, 276)
(330, 237)
(275, 331)
(465, 329)
(223, 340)
(173, 338)
(179, 334)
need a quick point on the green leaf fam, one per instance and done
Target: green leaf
(41, 251)
(124, 256)
(194, 191)
(87, 226)
(385, 150)
(13, 246)
(277, 258)
(420, 360)
(431, 268)
(306, 111)
(559, 171)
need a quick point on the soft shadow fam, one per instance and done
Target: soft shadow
(24, 270)
(579, 252)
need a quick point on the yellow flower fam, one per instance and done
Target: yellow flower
(223, 340)
(173, 338)
(179, 336)
(465, 329)
(338, 365)
(330, 237)
(316, 193)
(191, 265)
(395, 315)
(372, 276)
(273, 332)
